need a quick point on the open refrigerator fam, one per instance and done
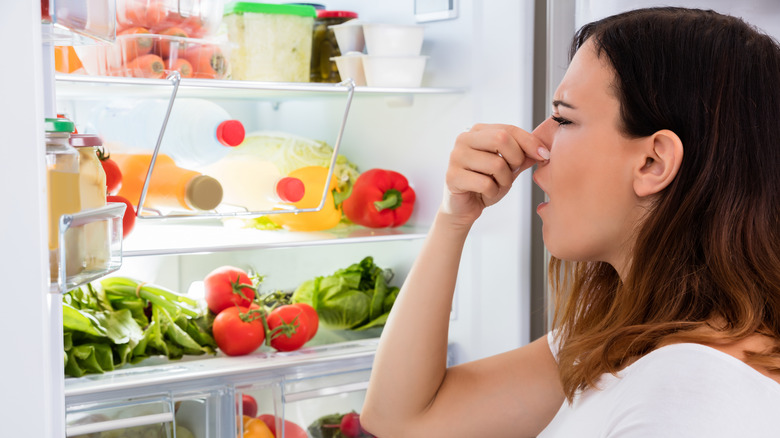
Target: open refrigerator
(490, 61)
(474, 74)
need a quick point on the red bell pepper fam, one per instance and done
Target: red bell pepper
(380, 198)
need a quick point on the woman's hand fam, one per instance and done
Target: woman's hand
(483, 165)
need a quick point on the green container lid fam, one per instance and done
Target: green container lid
(59, 125)
(268, 8)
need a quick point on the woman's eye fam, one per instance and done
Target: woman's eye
(560, 120)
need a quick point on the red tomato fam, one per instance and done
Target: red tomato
(288, 330)
(128, 220)
(228, 286)
(313, 320)
(113, 173)
(248, 405)
(236, 336)
(291, 430)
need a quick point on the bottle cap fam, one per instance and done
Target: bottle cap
(290, 189)
(85, 140)
(203, 193)
(230, 133)
(336, 14)
(58, 125)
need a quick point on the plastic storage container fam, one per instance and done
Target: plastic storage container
(325, 46)
(198, 133)
(198, 18)
(170, 188)
(62, 183)
(270, 42)
(145, 55)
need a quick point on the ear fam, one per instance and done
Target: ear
(660, 157)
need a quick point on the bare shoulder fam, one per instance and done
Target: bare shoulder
(518, 390)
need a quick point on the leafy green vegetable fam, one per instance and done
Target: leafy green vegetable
(356, 297)
(119, 321)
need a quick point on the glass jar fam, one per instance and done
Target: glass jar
(324, 45)
(62, 184)
(92, 192)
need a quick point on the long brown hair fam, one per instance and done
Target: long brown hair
(707, 255)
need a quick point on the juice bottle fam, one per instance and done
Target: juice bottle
(313, 178)
(62, 184)
(170, 188)
(254, 183)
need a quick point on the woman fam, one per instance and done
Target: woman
(661, 163)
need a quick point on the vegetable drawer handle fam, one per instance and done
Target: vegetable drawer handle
(122, 423)
(322, 392)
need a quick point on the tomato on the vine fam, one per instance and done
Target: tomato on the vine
(113, 173)
(239, 330)
(288, 328)
(313, 320)
(228, 286)
(128, 220)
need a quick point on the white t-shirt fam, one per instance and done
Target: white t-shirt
(680, 390)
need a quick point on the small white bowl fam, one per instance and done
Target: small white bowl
(394, 71)
(349, 36)
(351, 66)
(393, 39)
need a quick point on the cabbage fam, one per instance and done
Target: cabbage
(357, 297)
(289, 152)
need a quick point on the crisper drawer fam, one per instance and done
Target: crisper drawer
(302, 407)
(179, 415)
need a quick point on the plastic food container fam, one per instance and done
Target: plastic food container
(196, 18)
(394, 71)
(393, 39)
(349, 36)
(270, 42)
(145, 55)
(324, 45)
(351, 66)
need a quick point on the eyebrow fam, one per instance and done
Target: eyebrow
(557, 103)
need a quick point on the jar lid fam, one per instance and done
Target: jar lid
(268, 8)
(203, 193)
(336, 14)
(59, 125)
(85, 140)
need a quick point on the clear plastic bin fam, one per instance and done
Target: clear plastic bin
(73, 19)
(197, 18)
(144, 55)
(72, 235)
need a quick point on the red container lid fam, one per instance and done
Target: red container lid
(85, 140)
(336, 14)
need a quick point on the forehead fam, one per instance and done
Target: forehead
(588, 80)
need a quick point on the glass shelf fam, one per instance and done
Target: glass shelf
(71, 86)
(195, 368)
(159, 237)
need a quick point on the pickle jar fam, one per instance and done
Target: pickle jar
(62, 184)
(324, 45)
